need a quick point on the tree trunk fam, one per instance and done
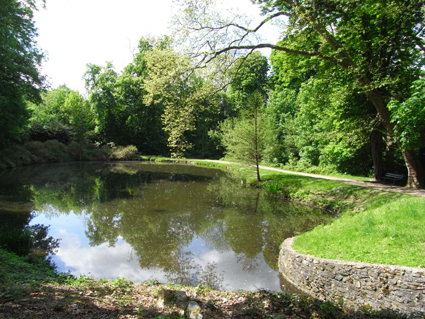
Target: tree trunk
(376, 150)
(414, 168)
(411, 158)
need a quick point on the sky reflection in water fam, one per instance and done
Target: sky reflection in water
(175, 223)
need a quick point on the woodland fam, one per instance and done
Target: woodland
(342, 90)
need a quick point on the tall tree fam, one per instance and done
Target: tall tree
(20, 60)
(100, 83)
(246, 138)
(379, 44)
(143, 126)
(81, 116)
(172, 81)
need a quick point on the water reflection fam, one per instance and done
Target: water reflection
(177, 223)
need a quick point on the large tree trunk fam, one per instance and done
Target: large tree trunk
(415, 170)
(376, 150)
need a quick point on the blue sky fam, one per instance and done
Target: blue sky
(76, 32)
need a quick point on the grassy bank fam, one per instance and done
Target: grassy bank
(372, 226)
(392, 234)
(28, 290)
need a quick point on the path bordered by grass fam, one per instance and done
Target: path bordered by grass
(374, 225)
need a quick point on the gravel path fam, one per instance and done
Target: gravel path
(371, 184)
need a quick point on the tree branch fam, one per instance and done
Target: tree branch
(274, 47)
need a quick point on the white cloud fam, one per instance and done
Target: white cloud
(102, 261)
(234, 277)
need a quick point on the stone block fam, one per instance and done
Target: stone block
(173, 298)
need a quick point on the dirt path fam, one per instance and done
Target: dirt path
(371, 184)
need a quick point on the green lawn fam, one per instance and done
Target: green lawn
(372, 226)
(392, 234)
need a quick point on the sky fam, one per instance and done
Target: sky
(74, 33)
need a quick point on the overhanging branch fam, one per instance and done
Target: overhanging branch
(274, 47)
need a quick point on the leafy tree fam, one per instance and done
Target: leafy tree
(20, 79)
(172, 82)
(409, 117)
(49, 118)
(249, 74)
(247, 138)
(100, 83)
(51, 108)
(81, 116)
(63, 115)
(143, 126)
(122, 116)
(378, 45)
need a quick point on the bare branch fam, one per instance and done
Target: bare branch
(274, 47)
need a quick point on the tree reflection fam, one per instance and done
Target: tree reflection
(162, 210)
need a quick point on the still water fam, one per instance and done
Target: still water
(173, 223)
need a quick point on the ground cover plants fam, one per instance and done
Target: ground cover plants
(37, 295)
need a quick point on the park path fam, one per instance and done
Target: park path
(371, 184)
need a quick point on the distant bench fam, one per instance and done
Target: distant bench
(393, 177)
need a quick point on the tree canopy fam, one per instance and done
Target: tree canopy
(20, 60)
(378, 45)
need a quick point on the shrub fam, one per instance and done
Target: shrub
(124, 153)
(53, 131)
(15, 155)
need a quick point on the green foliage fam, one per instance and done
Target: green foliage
(248, 138)
(53, 131)
(172, 82)
(81, 118)
(19, 67)
(272, 188)
(51, 108)
(248, 74)
(409, 117)
(62, 115)
(24, 269)
(122, 116)
(100, 83)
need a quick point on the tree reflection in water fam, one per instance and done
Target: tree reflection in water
(163, 210)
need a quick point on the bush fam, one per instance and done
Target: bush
(47, 152)
(16, 155)
(54, 131)
(124, 153)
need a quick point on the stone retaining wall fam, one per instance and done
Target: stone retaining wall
(356, 285)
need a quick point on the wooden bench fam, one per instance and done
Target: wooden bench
(393, 177)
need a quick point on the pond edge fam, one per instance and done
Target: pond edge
(362, 286)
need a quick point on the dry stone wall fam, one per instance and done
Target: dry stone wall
(356, 285)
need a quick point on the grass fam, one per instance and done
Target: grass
(392, 234)
(373, 226)
(325, 170)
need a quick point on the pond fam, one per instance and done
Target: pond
(172, 223)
